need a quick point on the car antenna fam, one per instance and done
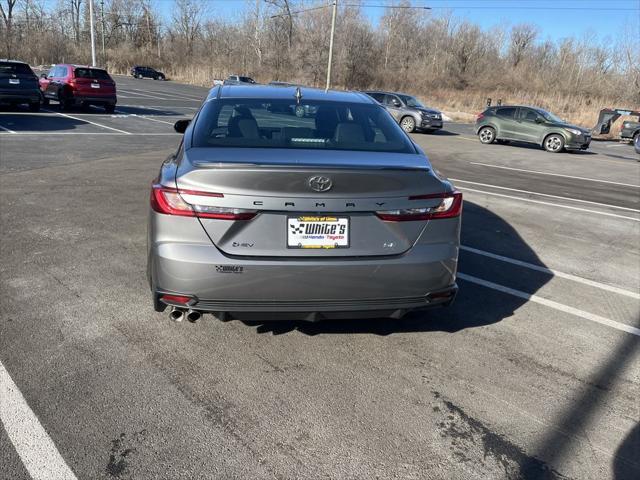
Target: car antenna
(298, 95)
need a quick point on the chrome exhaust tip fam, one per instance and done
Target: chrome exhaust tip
(176, 314)
(193, 315)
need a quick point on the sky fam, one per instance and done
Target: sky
(556, 19)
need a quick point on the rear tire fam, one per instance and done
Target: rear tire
(34, 107)
(487, 135)
(408, 124)
(553, 143)
(65, 104)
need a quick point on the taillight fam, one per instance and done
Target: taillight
(170, 201)
(450, 206)
(179, 299)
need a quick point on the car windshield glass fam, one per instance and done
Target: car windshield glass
(268, 123)
(92, 73)
(15, 69)
(411, 101)
(550, 116)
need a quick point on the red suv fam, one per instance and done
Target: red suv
(72, 85)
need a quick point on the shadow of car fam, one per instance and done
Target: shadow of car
(481, 229)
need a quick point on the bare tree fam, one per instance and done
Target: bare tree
(6, 10)
(187, 20)
(522, 39)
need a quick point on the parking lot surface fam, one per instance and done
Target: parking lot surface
(534, 372)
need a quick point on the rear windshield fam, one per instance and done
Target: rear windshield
(92, 73)
(9, 68)
(266, 123)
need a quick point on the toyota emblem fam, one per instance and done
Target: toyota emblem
(320, 184)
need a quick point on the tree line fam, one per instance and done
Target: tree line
(407, 49)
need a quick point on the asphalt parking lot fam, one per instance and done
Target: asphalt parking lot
(533, 373)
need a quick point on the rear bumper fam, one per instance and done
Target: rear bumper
(25, 96)
(95, 100)
(305, 288)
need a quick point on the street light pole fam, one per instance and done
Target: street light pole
(93, 40)
(333, 31)
(104, 55)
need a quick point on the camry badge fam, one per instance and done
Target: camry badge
(320, 184)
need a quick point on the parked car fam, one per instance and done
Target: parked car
(636, 144)
(19, 85)
(239, 80)
(530, 125)
(408, 111)
(79, 85)
(146, 72)
(630, 130)
(288, 217)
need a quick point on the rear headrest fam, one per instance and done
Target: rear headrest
(349, 132)
(243, 127)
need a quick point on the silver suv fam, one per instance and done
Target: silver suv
(408, 111)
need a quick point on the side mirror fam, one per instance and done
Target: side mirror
(181, 125)
(539, 120)
(395, 103)
(43, 75)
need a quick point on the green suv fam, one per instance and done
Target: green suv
(531, 125)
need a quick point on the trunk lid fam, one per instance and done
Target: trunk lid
(277, 184)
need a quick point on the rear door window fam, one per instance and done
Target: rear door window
(378, 97)
(506, 112)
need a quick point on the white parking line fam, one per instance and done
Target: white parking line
(35, 448)
(183, 96)
(550, 303)
(555, 273)
(556, 175)
(159, 106)
(45, 134)
(144, 117)
(6, 129)
(139, 94)
(89, 121)
(608, 205)
(162, 96)
(555, 205)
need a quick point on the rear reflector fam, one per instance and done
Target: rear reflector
(170, 201)
(175, 299)
(450, 206)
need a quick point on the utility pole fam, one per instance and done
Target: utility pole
(104, 55)
(333, 31)
(93, 40)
